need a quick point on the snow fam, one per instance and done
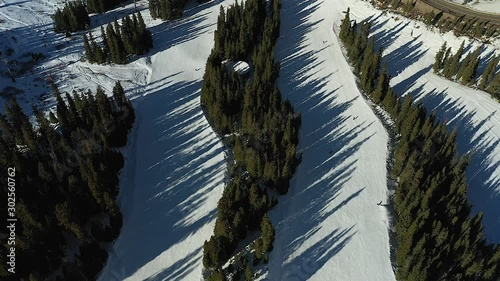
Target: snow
(490, 6)
(175, 162)
(175, 166)
(241, 67)
(409, 52)
(329, 224)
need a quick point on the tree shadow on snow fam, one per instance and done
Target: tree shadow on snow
(170, 33)
(328, 144)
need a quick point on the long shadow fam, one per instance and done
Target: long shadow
(485, 58)
(30, 75)
(175, 174)
(404, 56)
(118, 13)
(472, 137)
(408, 83)
(179, 269)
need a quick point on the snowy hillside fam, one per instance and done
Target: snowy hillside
(174, 170)
(329, 226)
(490, 6)
(176, 163)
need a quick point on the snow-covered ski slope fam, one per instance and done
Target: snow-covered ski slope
(329, 226)
(409, 50)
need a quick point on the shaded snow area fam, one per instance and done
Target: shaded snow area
(490, 6)
(175, 169)
(329, 226)
(409, 50)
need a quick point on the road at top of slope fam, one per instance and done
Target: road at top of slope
(175, 167)
(329, 225)
(409, 50)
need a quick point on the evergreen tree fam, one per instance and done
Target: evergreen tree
(166, 9)
(105, 48)
(70, 191)
(249, 274)
(494, 86)
(101, 6)
(382, 86)
(345, 27)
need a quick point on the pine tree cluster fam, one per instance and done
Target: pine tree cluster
(101, 6)
(119, 42)
(166, 9)
(452, 66)
(71, 18)
(66, 175)
(263, 128)
(437, 238)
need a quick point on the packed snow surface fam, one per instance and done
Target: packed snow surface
(241, 67)
(409, 50)
(175, 173)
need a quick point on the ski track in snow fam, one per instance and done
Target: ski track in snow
(329, 225)
(409, 50)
